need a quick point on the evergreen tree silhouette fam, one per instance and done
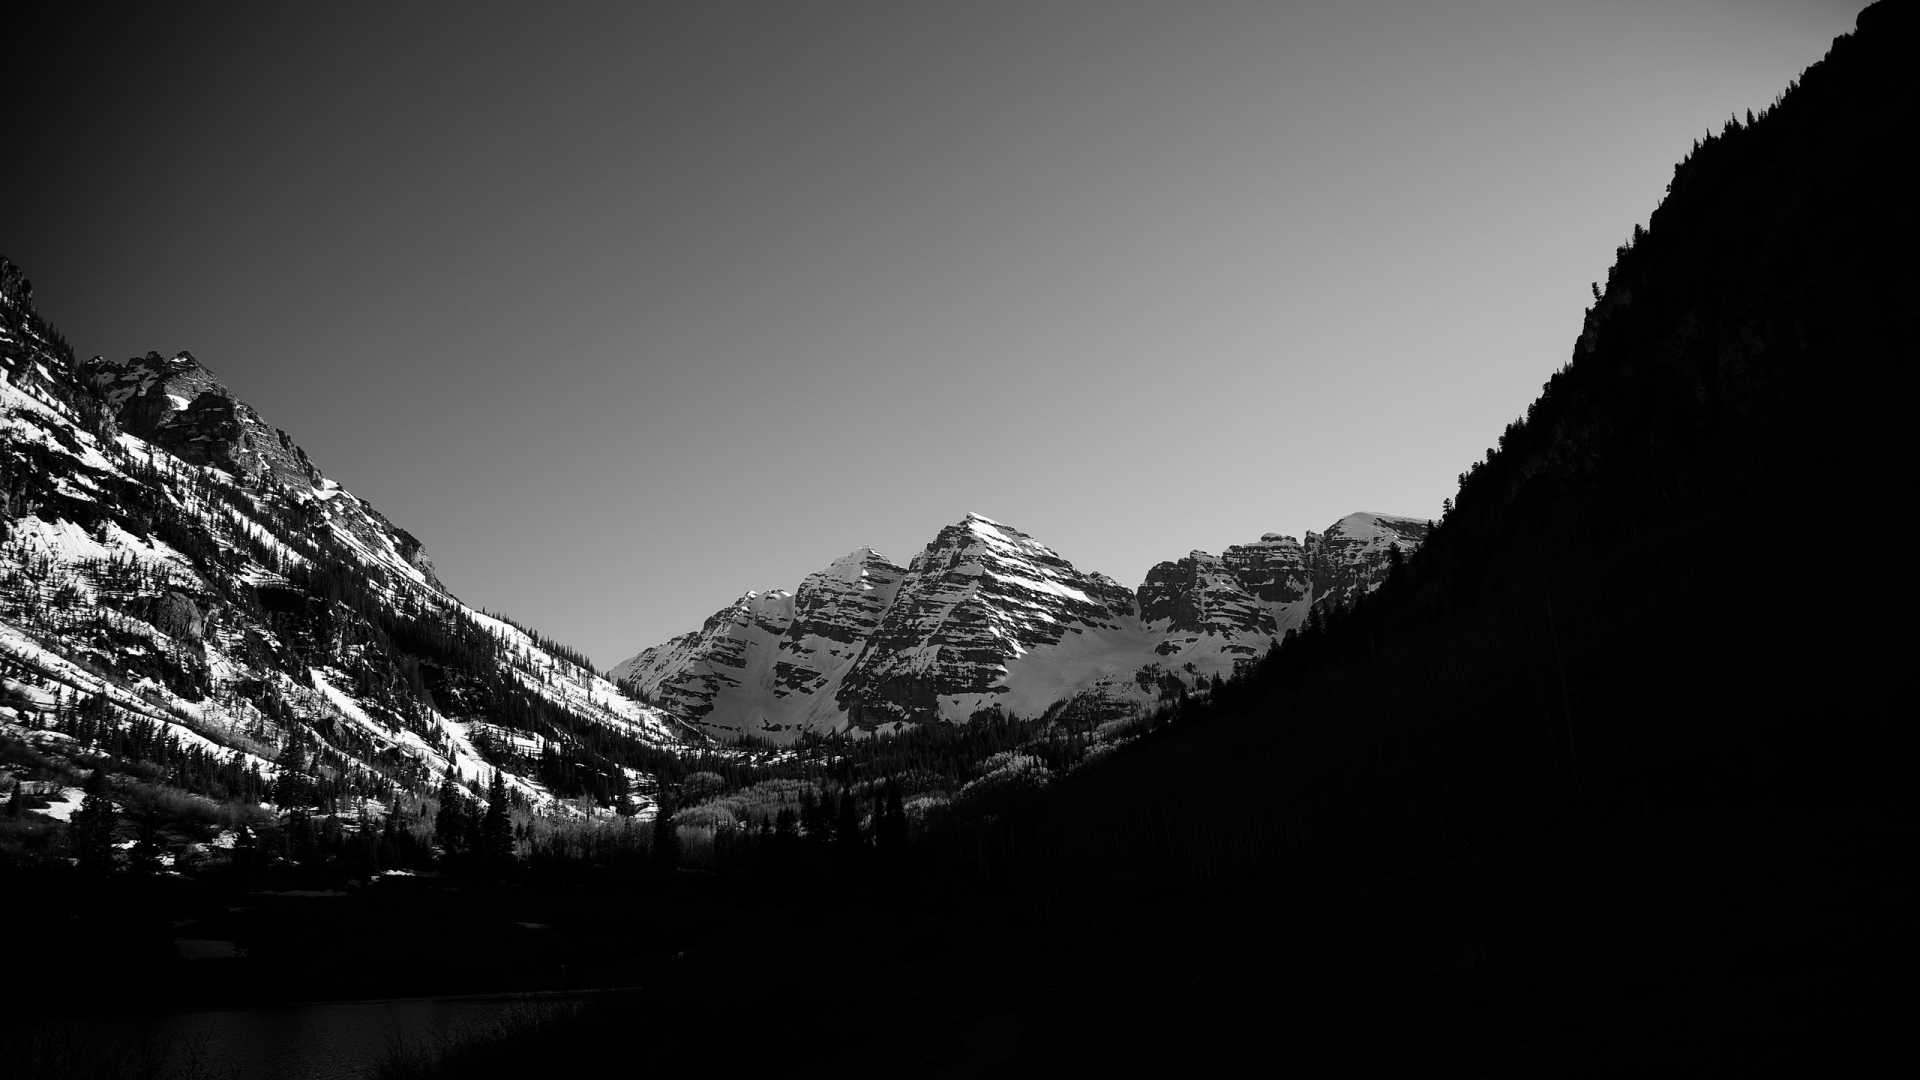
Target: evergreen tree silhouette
(496, 828)
(666, 840)
(849, 847)
(92, 825)
(890, 834)
(450, 823)
(145, 856)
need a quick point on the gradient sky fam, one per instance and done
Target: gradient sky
(625, 310)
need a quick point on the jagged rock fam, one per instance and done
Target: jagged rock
(178, 404)
(1352, 555)
(979, 596)
(1275, 570)
(175, 614)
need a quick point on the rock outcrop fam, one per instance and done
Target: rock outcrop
(180, 406)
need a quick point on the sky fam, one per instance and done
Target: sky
(627, 309)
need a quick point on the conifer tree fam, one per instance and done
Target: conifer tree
(846, 829)
(17, 802)
(92, 825)
(145, 856)
(449, 824)
(388, 854)
(816, 821)
(496, 828)
(849, 847)
(890, 834)
(472, 816)
(666, 839)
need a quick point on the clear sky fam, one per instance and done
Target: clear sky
(627, 309)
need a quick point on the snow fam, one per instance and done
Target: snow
(1371, 526)
(1044, 675)
(62, 807)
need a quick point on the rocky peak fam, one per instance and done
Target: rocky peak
(1352, 556)
(1273, 570)
(35, 358)
(180, 405)
(843, 602)
(835, 611)
(1200, 594)
(977, 597)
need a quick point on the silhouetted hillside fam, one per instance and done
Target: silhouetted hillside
(1676, 579)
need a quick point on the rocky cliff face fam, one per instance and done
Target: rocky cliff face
(987, 617)
(836, 611)
(1352, 556)
(172, 559)
(772, 663)
(1211, 612)
(179, 406)
(979, 596)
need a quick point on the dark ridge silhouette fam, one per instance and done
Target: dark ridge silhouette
(1667, 583)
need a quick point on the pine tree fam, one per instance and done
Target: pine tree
(496, 828)
(17, 802)
(388, 855)
(449, 824)
(145, 856)
(816, 821)
(666, 839)
(849, 846)
(92, 825)
(891, 831)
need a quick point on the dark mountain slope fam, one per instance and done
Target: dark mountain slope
(1669, 581)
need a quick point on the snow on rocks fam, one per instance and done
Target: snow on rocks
(60, 806)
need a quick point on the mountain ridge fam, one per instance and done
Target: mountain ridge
(987, 619)
(169, 555)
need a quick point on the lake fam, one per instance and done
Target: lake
(333, 1040)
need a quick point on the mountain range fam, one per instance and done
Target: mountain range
(988, 619)
(171, 562)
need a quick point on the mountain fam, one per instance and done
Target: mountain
(986, 618)
(178, 574)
